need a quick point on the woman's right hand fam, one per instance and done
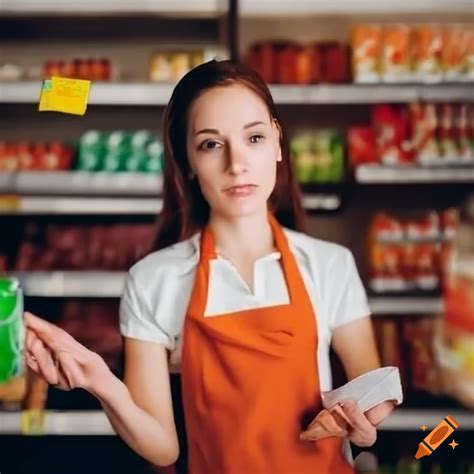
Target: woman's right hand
(62, 361)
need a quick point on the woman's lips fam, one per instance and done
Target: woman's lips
(241, 190)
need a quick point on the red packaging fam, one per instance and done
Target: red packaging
(262, 58)
(286, 64)
(28, 157)
(305, 65)
(391, 126)
(337, 63)
(361, 146)
(425, 144)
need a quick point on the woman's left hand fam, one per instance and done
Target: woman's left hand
(347, 420)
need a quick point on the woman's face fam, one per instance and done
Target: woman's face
(233, 146)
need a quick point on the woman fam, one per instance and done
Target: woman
(246, 307)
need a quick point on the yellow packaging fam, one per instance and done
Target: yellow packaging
(60, 94)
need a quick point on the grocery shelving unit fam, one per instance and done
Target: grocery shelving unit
(95, 423)
(128, 196)
(147, 94)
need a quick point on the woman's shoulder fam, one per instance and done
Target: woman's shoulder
(177, 259)
(316, 249)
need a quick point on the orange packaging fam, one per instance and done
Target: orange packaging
(455, 51)
(428, 46)
(366, 53)
(469, 59)
(396, 56)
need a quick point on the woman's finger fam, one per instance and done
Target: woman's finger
(329, 423)
(32, 363)
(355, 417)
(378, 413)
(363, 433)
(45, 361)
(70, 369)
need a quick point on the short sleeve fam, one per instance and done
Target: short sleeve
(347, 298)
(136, 317)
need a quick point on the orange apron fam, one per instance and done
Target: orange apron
(250, 381)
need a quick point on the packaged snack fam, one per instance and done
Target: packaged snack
(425, 144)
(455, 51)
(448, 135)
(366, 53)
(396, 57)
(428, 43)
(336, 62)
(12, 337)
(469, 60)
(361, 146)
(419, 334)
(301, 149)
(391, 125)
(262, 58)
(328, 156)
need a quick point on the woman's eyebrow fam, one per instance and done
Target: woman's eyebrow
(216, 132)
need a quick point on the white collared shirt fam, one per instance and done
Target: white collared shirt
(158, 290)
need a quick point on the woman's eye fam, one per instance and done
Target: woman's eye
(256, 138)
(209, 145)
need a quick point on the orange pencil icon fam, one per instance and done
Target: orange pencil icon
(437, 436)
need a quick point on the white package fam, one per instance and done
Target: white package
(368, 390)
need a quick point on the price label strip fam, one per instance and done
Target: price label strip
(61, 94)
(33, 422)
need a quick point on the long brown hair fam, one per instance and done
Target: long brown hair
(185, 210)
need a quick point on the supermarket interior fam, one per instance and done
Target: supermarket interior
(377, 99)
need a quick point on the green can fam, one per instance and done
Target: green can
(12, 329)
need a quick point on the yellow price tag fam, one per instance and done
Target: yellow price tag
(33, 422)
(61, 94)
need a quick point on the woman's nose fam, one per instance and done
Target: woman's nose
(237, 162)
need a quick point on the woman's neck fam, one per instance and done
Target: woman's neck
(249, 236)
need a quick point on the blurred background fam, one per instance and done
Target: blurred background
(377, 101)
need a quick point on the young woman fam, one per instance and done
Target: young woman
(246, 307)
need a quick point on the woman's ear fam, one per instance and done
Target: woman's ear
(278, 135)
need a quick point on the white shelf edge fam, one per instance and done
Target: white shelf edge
(110, 93)
(41, 205)
(96, 423)
(325, 202)
(197, 8)
(85, 183)
(375, 174)
(403, 419)
(60, 284)
(383, 305)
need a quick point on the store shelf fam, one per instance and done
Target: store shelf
(101, 93)
(383, 305)
(158, 94)
(371, 93)
(303, 8)
(95, 423)
(40, 205)
(375, 174)
(73, 423)
(324, 202)
(82, 183)
(200, 8)
(93, 284)
(53, 193)
(404, 419)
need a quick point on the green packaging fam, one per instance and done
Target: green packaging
(12, 332)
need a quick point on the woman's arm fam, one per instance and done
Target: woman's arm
(354, 343)
(140, 410)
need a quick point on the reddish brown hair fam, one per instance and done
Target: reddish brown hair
(185, 210)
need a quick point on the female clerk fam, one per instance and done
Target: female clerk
(245, 306)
